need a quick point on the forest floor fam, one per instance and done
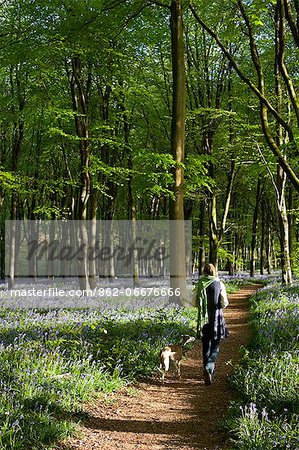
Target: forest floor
(179, 414)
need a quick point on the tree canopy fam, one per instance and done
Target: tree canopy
(95, 108)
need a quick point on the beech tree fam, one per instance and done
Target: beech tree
(176, 213)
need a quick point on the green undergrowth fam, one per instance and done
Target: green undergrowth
(265, 416)
(52, 361)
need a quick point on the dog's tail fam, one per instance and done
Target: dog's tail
(164, 357)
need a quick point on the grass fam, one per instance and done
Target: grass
(265, 417)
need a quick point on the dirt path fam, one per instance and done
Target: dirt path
(179, 414)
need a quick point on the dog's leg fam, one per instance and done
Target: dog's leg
(165, 362)
(179, 369)
(162, 371)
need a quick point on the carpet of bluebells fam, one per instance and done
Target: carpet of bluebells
(56, 354)
(53, 359)
(267, 379)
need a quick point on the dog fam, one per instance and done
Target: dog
(173, 353)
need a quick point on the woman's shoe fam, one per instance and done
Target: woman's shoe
(208, 377)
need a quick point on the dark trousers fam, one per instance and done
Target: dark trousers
(210, 350)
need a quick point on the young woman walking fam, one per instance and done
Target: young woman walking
(211, 299)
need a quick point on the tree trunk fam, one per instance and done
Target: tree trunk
(79, 102)
(133, 215)
(176, 206)
(217, 233)
(281, 178)
(214, 242)
(93, 236)
(2, 248)
(12, 243)
(268, 251)
(201, 252)
(131, 196)
(18, 134)
(254, 227)
(285, 261)
(291, 220)
(2, 212)
(132, 206)
(232, 258)
(18, 137)
(107, 268)
(262, 260)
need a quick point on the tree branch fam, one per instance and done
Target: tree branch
(229, 189)
(131, 17)
(242, 76)
(265, 104)
(281, 58)
(290, 18)
(253, 49)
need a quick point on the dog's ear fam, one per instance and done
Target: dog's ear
(185, 339)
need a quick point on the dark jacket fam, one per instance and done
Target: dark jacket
(216, 326)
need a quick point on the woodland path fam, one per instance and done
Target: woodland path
(177, 414)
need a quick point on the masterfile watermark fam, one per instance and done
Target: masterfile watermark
(109, 249)
(52, 292)
(55, 250)
(97, 292)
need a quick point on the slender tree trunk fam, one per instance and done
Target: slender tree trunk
(176, 206)
(18, 137)
(93, 236)
(18, 134)
(214, 242)
(72, 202)
(217, 233)
(32, 236)
(107, 268)
(50, 262)
(12, 243)
(132, 210)
(133, 217)
(201, 252)
(254, 227)
(231, 259)
(285, 261)
(2, 248)
(268, 251)
(291, 220)
(131, 199)
(111, 262)
(79, 101)
(262, 260)
(2, 212)
(281, 177)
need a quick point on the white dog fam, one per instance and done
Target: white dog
(174, 353)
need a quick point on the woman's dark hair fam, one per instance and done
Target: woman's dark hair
(209, 269)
